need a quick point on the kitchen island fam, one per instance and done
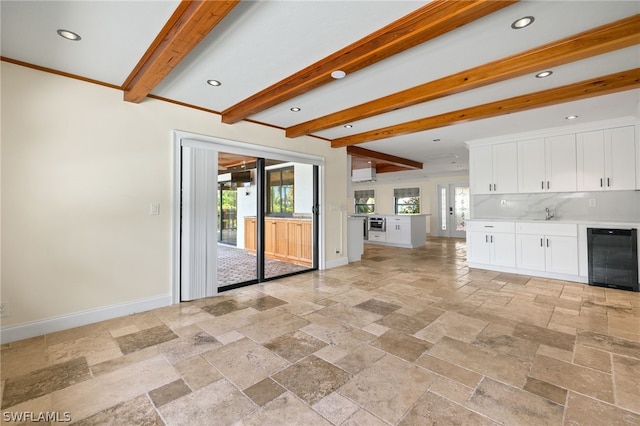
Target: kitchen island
(407, 231)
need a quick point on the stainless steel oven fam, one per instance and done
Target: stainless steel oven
(377, 223)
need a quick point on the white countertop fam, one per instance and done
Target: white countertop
(577, 222)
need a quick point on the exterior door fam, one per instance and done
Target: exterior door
(453, 208)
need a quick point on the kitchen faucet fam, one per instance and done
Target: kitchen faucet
(549, 214)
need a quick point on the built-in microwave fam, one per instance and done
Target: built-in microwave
(377, 224)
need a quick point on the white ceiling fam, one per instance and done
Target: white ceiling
(261, 42)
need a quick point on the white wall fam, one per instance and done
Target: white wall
(428, 195)
(79, 169)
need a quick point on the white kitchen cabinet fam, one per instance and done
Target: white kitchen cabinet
(494, 168)
(408, 231)
(491, 243)
(399, 229)
(550, 247)
(377, 236)
(547, 164)
(607, 159)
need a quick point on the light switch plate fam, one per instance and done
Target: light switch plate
(154, 209)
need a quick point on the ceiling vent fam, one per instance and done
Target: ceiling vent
(363, 175)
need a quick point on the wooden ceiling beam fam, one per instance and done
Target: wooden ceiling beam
(189, 24)
(607, 38)
(612, 83)
(428, 22)
(368, 154)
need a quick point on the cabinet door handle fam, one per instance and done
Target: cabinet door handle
(601, 183)
(492, 239)
(542, 185)
(541, 245)
(489, 187)
(548, 185)
(547, 242)
(486, 238)
(608, 182)
(494, 187)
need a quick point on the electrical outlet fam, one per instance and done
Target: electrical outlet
(592, 202)
(4, 309)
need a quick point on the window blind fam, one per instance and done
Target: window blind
(406, 192)
(367, 193)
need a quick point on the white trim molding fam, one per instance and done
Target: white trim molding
(77, 319)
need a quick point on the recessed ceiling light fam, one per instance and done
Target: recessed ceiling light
(215, 83)
(295, 109)
(69, 35)
(348, 126)
(338, 74)
(522, 22)
(544, 74)
(571, 117)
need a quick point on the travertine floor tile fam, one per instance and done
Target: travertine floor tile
(335, 408)
(584, 411)
(138, 411)
(453, 325)
(312, 378)
(264, 391)
(197, 372)
(510, 405)
(573, 377)
(284, 410)
(403, 337)
(401, 345)
(295, 346)
(501, 367)
(245, 362)
(432, 409)
(388, 388)
(44, 381)
(220, 401)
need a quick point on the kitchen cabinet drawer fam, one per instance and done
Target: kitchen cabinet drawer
(379, 236)
(491, 226)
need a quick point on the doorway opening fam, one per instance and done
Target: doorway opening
(245, 216)
(453, 209)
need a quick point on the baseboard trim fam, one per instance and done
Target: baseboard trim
(341, 261)
(51, 325)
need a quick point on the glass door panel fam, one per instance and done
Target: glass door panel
(288, 219)
(453, 212)
(237, 238)
(288, 227)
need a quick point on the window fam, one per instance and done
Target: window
(280, 191)
(365, 201)
(407, 200)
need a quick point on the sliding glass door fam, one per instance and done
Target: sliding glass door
(265, 216)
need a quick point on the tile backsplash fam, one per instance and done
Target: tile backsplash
(611, 206)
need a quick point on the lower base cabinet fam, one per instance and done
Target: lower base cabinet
(491, 243)
(549, 247)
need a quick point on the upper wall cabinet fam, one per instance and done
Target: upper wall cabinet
(547, 164)
(607, 159)
(494, 168)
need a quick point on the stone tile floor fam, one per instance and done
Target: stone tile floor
(408, 337)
